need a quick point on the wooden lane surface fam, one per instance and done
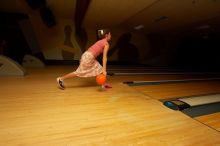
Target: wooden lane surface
(167, 91)
(212, 120)
(34, 112)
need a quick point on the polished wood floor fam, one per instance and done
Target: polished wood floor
(34, 112)
(212, 120)
(169, 91)
(178, 90)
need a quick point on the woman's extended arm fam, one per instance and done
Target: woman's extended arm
(104, 59)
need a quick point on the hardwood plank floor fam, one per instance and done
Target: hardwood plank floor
(166, 91)
(34, 112)
(212, 120)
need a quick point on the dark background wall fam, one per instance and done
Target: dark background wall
(12, 39)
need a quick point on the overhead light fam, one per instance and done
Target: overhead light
(205, 37)
(161, 18)
(203, 27)
(138, 27)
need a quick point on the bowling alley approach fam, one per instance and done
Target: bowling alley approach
(109, 73)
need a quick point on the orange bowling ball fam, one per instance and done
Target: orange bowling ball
(100, 79)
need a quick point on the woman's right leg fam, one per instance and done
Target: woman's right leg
(67, 76)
